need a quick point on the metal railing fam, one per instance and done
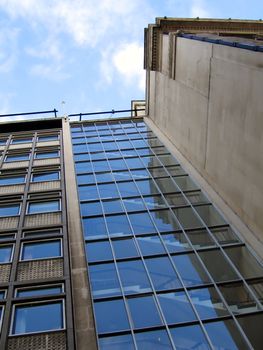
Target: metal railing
(55, 111)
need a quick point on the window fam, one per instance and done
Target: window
(46, 155)
(45, 290)
(16, 157)
(41, 250)
(2, 295)
(9, 210)
(42, 232)
(22, 140)
(6, 253)
(43, 207)
(45, 138)
(2, 142)
(11, 180)
(48, 176)
(37, 317)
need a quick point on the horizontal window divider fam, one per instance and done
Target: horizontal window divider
(36, 284)
(41, 259)
(40, 298)
(42, 237)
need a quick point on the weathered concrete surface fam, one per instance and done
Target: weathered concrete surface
(213, 113)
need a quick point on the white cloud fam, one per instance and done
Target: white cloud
(8, 48)
(199, 9)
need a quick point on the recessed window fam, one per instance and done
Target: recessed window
(45, 290)
(38, 317)
(2, 142)
(41, 250)
(9, 210)
(7, 236)
(22, 140)
(41, 232)
(12, 180)
(16, 157)
(43, 207)
(2, 294)
(47, 138)
(6, 253)
(46, 155)
(48, 176)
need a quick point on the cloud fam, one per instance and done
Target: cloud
(199, 9)
(8, 48)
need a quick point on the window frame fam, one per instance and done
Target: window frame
(11, 255)
(40, 241)
(38, 151)
(45, 172)
(21, 138)
(3, 204)
(38, 302)
(46, 136)
(43, 286)
(43, 201)
(17, 154)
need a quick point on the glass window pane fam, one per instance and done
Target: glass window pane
(40, 250)
(83, 167)
(150, 245)
(89, 209)
(225, 335)
(147, 187)
(157, 340)
(185, 183)
(238, 298)
(190, 269)
(252, 326)
(46, 155)
(118, 225)
(104, 177)
(43, 207)
(32, 292)
(208, 303)
(189, 337)
(210, 215)
(121, 175)
(218, 266)
(187, 218)
(11, 180)
(168, 160)
(5, 253)
(134, 204)
(200, 238)
(166, 185)
(134, 163)
(124, 248)
(257, 288)
(88, 192)
(98, 251)
(38, 318)
(162, 273)
(85, 179)
(176, 307)
(94, 228)
(224, 235)
(196, 197)
(100, 165)
(16, 157)
(175, 242)
(108, 190)
(133, 277)
(139, 174)
(48, 138)
(45, 176)
(164, 220)
(176, 199)
(9, 210)
(154, 202)
(104, 280)
(128, 189)
(144, 312)
(117, 343)
(142, 223)
(245, 262)
(111, 316)
(112, 206)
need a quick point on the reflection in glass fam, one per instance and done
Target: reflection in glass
(118, 225)
(224, 335)
(162, 273)
(104, 280)
(134, 204)
(210, 215)
(224, 235)
(98, 251)
(144, 312)
(196, 197)
(189, 337)
(238, 298)
(257, 287)
(89, 209)
(111, 316)
(108, 190)
(94, 228)
(121, 175)
(164, 220)
(187, 218)
(124, 248)
(154, 202)
(185, 183)
(112, 206)
(175, 170)
(176, 307)
(150, 245)
(157, 340)
(142, 223)
(117, 343)
(128, 189)
(104, 177)
(133, 277)
(200, 238)
(147, 187)
(166, 185)
(175, 242)
(176, 199)
(207, 303)
(252, 326)
(88, 192)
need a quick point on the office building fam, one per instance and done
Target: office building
(116, 233)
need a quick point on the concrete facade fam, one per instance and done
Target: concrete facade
(212, 112)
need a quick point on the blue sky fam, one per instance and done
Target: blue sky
(87, 53)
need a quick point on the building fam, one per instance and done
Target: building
(122, 223)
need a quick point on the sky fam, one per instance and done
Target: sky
(86, 55)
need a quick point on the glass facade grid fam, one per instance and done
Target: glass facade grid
(204, 232)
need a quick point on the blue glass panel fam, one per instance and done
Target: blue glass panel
(104, 177)
(111, 316)
(140, 174)
(12, 180)
(175, 242)
(39, 291)
(2, 296)
(118, 225)
(138, 144)
(189, 337)
(93, 208)
(9, 210)
(80, 148)
(162, 273)
(112, 206)
(40, 250)
(83, 167)
(154, 202)
(176, 307)
(117, 343)
(81, 157)
(164, 220)
(147, 187)
(133, 277)
(48, 138)
(46, 155)
(100, 165)
(38, 318)
(5, 253)
(144, 152)
(45, 176)
(85, 179)
(16, 157)
(208, 303)
(109, 146)
(98, 251)
(150, 245)
(94, 228)
(108, 190)
(128, 189)
(97, 155)
(88, 192)
(150, 161)
(224, 335)
(104, 280)
(157, 340)
(121, 175)
(117, 164)
(142, 223)
(124, 248)
(112, 155)
(95, 147)
(134, 163)
(43, 207)
(190, 269)
(134, 204)
(123, 144)
(144, 312)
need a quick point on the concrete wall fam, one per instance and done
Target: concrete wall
(213, 114)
